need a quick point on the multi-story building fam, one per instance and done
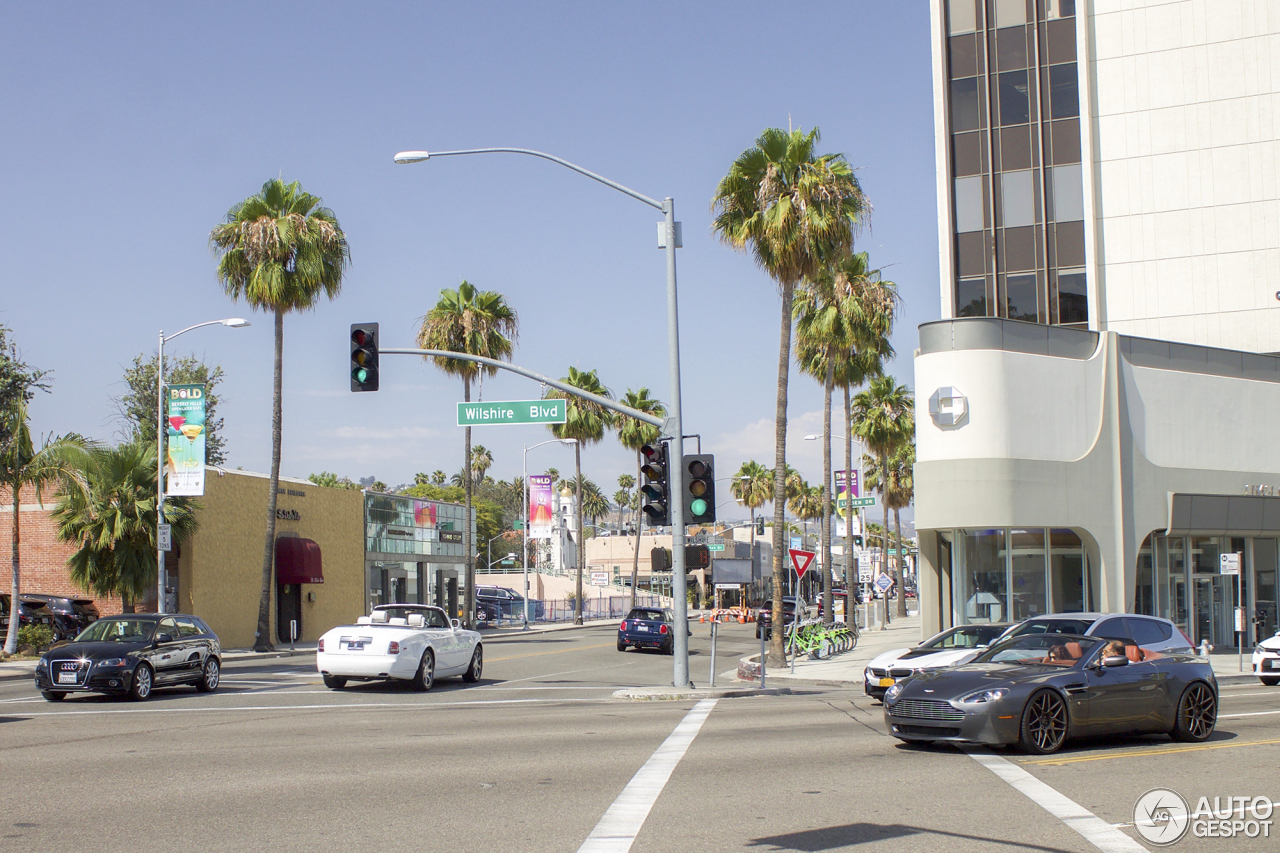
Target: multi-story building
(1100, 392)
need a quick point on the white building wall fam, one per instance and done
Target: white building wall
(1186, 124)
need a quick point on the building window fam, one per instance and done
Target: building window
(981, 591)
(1068, 193)
(1017, 199)
(1011, 48)
(963, 16)
(1064, 96)
(1022, 297)
(1027, 571)
(971, 297)
(969, 212)
(1073, 301)
(1010, 12)
(1014, 105)
(965, 113)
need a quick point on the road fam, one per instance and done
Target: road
(538, 757)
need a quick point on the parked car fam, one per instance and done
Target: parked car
(29, 613)
(1037, 690)
(1149, 632)
(505, 603)
(417, 649)
(1266, 660)
(953, 646)
(132, 655)
(764, 617)
(70, 615)
(648, 627)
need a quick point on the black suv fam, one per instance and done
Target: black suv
(764, 618)
(70, 615)
(501, 602)
(29, 613)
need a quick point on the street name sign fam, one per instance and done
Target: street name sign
(801, 560)
(862, 502)
(716, 546)
(512, 412)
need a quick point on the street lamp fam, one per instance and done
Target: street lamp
(234, 323)
(669, 239)
(524, 551)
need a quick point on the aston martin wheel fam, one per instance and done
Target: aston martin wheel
(426, 674)
(472, 675)
(1044, 723)
(210, 676)
(1197, 714)
(335, 682)
(142, 683)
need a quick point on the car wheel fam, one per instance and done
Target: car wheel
(53, 695)
(335, 682)
(472, 675)
(1197, 714)
(143, 681)
(210, 677)
(1044, 723)
(1269, 680)
(622, 647)
(426, 674)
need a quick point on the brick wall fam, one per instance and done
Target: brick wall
(42, 559)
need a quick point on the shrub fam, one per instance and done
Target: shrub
(36, 637)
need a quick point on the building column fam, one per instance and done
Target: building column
(929, 584)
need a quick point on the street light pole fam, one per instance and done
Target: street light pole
(674, 425)
(524, 553)
(848, 526)
(232, 322)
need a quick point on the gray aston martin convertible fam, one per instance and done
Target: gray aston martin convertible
(1037, 690)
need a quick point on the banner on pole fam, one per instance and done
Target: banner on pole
(846, 487)
(185, 447)
(541, 513)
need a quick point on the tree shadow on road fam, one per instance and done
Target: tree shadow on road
(853, 834)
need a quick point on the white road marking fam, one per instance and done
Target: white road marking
(1092, 828)
(1248, 714)
(348, 706)
(617, 830)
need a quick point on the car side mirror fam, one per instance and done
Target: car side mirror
(1115, 660)
(164, 638)
(455, 623)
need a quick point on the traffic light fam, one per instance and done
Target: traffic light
(364, 356)
(656, 491)
(759, 526)
(699, 489)
(660, 560)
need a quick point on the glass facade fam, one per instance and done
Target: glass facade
(1007, 575)
(1017, 182)
(404, 539)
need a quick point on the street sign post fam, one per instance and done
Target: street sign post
(512, 412)
(800, 560)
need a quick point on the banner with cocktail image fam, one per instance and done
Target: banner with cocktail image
(184, 427)
(541, 514)
(842, 500)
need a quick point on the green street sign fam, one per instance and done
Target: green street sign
(717, 547)
(512, 412)
(862, 502)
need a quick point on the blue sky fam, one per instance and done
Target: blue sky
(130, 129)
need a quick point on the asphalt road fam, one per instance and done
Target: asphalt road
(539, 757)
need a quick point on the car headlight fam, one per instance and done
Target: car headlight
(981, 696)
(42, 664)
(891, 695)
(114, 663)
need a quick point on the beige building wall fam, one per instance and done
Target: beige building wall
(220, 568)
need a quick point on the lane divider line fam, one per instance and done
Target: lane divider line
(1091, 828)
(1168, 750)
(1247, 714)
(617, 830)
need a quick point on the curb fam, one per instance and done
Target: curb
(665, 694)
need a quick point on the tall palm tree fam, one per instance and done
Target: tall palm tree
(475, 322)
(840, 313)
(22, 467)
(633, 435)
(900, 489)
(752, 486)
(586, 421)
(112, 521)
(439, 477)
(481, 461)
(281, 251)
(884, 418)
(622, 497)
(795, 211)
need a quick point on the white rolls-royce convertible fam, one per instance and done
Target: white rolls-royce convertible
(413, 643)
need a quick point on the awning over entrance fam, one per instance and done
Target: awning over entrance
(298, 561)
(1224, 515)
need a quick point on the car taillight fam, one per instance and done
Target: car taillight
(623, 626)
(394, 648)
(1185, 637)
(662, 630)
(320, 645)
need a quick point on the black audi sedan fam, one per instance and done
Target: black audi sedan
(131, 655)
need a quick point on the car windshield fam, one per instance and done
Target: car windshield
(967, 637)
(123, 630)
(1048, 649)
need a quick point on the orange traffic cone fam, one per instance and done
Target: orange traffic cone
(702, 617)
(742, 620)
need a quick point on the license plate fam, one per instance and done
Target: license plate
(355, 647)
(886, 682)
(1269, 663)
(642, 628)
(66, 678)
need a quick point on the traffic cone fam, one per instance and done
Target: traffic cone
(702, 617)
(742, 620)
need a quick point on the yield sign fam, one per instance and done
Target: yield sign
(800, 560)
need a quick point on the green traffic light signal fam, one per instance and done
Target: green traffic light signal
(364, 356)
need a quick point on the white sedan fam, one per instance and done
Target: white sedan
(1266, 660)
(418, 647)
(953, 646)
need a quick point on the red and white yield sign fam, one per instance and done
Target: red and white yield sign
(800, 560)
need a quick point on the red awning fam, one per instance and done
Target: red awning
(298, 561)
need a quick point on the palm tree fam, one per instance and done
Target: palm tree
(633, 435)
(900, 491)
(796, 211)
(752, 486)
(481, 461)
(24, 467)
(280, 250)
(439, 477)
(586, 421)
(475, 322)
(884, 417)
(622, 497)
(843, 312)
(594, 503)
(112, 521)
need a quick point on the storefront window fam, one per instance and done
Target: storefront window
(1144, 594)
(1264, 604)
(1027, 568)
(1066, 571)
(982, 594)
